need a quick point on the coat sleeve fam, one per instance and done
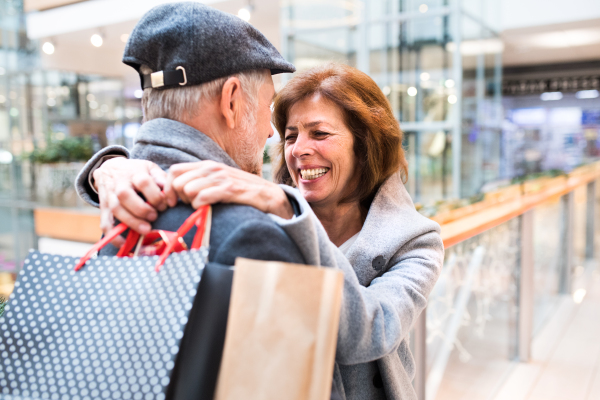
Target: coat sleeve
(375, 319)
(82, 182)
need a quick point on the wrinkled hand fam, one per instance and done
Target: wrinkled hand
(118, 182)
(210, 182)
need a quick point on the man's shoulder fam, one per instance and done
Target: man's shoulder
(243, 231)
(237, 231)
(225, 217)
(234, 214)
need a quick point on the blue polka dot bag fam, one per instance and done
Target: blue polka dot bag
(114, 329)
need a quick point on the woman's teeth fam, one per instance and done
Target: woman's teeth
(310, 174)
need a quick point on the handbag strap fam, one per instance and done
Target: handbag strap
(201, 218)
(116, 231)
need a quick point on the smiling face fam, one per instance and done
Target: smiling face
(319, 151)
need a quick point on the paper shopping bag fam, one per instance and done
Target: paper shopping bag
(281, 332)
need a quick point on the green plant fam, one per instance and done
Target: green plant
(266, 156)
(3, 302)
(66, 150)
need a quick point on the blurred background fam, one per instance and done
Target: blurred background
(499, 102)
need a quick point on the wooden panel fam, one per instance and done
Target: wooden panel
(478, 222)
(68, 224)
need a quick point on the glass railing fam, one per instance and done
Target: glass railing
(510, 262)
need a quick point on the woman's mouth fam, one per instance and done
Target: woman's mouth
(311, 174)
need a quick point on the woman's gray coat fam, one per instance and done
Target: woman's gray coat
(389, 272)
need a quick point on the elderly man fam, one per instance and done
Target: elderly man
(207, 95)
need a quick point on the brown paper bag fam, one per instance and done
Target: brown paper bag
(281, 332)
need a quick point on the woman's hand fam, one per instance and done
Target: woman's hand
(210, 182)
(118, 182)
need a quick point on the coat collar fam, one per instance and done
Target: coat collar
(386, 229)
(164, 132)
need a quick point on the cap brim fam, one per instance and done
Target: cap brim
(282, 71)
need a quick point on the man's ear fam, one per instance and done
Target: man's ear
(232, 102)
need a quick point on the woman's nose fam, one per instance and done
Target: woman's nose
(302, 147)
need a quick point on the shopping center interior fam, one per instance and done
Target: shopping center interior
(499, 102)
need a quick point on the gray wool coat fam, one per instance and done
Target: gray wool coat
(390, 270)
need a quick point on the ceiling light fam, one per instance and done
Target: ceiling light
(124, 38)
(96, 40)
(138, 94)
(424, 76)
(411, 91)
(90, 97)
(449, 83)
(51, 102)
(452, 99)
(587, 94)
(475, 47)
(567, 38)
(48, 48)
(423, 8)
(550, 96)
(578, 295)
(5, 157)
(244, 13)
(386, 90)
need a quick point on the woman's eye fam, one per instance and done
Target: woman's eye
(321, 134)
(290, 138)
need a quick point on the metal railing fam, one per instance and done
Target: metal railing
(506, 269)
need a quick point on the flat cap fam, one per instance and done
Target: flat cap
(190, 43)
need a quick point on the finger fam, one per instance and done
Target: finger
(217, 194)
(194, 188)
(137, 224)
(118, 241)
(169, 191)
(179, 183)
(160, 176)
(132, 203)
(145, 184)
(107, 223)
(178, 169)
(106, 220)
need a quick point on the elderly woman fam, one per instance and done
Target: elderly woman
(342, 150)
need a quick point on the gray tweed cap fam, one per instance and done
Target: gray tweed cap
(190, 43)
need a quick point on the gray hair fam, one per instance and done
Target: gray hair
(182, 103)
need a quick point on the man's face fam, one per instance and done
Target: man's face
(255, 130)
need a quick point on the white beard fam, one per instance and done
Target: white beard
(247, 153)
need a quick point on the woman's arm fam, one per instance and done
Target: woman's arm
(113, 182)
(210, 182)
(115, 186)
(374, 319)
(84, 180)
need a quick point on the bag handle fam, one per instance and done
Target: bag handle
(198, 218)
(201, 218)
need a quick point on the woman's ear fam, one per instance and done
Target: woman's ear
(232, 102)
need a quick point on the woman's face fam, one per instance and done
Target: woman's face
(319, 151)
